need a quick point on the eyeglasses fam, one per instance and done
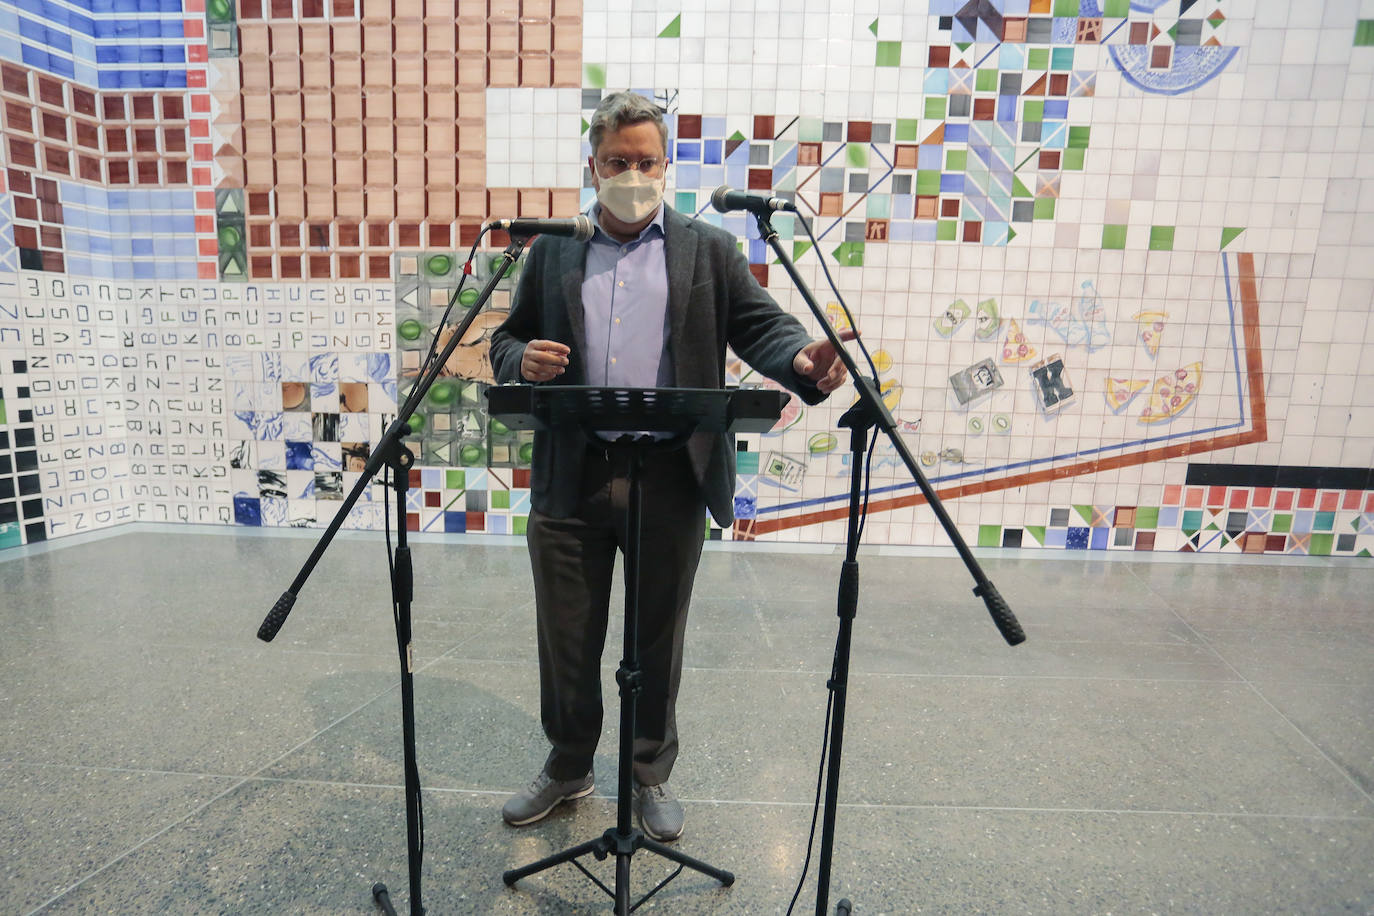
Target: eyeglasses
(618, 166)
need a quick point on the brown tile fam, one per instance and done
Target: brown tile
(14, 79)
(408, 235)
(926, 207)
(145, 108)
(54, 127)
(53, 261)
(116, 140)
(19, 117)
(289, 235)
(259, 203)
(468, 234)
(950, 207)
(88, 167)
(832, 203)
(973, 232)
(379, 267)
(251, 9)
(808, 154)
(938, 56)
(760, 179)
(173, 108)
(148, 172)
(319, 235)
(113, 106)
(320, 267)
(289, 267)
(87, 135)
(50, 236)
(440, 235)
(350, 267)
(57, 160)
(145, 140)
(26, 208)
(1145, 540)
(1049, 159)
(689, 126)
(860, 132)
(984, 109)
(50, 92)
(906, 155)
(763, 127)
(343, 9)
(26, 236)
(20, 181)
(262, 263)
(1160, 56)
(174, 139)
(260, 235)
(1059, 84)
(45, 189)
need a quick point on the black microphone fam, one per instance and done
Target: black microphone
(726, 199)
(579, 227)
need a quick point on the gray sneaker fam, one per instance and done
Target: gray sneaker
(543, 795)
(660, 813)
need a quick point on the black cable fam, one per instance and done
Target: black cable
(816, 808)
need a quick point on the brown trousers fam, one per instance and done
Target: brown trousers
(573, 561)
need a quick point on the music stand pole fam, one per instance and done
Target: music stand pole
(392, 453)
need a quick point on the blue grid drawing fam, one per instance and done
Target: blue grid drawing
(139, 234)
(106, 44)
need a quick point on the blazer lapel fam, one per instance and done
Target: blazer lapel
(680, 254)
(572, 261)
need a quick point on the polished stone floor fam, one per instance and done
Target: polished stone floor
(1175, 736)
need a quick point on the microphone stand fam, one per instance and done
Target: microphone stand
(868, 412)
(392, 453)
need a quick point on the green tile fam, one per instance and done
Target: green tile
(1037, 532)
(1283, 523)
(879, 206)
(1061, 59)
(908, 130)
(1044, 208)
(10, 535)
(1320, 545)
(1192, 520)
(1116, 8)
(1038, 59)
(985, 81)
(746, 462)
(956, 160)
(3, 421)
(1364, 33)
(517, 524)
(989, 535)
(1147, 517)
(1066, 8)
(1229, 234)
(1072, 160)
(1114, 237)
(1161, 238)
(889, 54)
(500, 499)
(857, 155)
(927, 182)
(873, 27)
(686, 202)
(596, 75)
(672, 29)
(810, 130)
(935, 108)
(1033, 110)
(454, 480)
(1078, 137)
(1324, 521)
(947, 230)
(849, 254)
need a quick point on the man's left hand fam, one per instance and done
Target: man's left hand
(817, 361)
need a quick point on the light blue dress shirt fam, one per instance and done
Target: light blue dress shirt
(625, 308)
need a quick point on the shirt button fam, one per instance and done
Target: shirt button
(621, 283)
(617, 321)
(612, 360)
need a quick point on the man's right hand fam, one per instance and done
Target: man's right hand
(543, 360)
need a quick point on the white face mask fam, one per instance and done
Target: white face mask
(631, 196)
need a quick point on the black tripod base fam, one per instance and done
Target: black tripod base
(622, 846)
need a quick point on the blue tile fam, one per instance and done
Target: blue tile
(1077, 538)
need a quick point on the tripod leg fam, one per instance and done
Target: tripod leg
(668, 852)
(597, 846)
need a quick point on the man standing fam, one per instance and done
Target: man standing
(651, 301)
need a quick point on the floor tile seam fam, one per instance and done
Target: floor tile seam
(1251, 686)
(856, 806)
(125, 770)
(882, 675)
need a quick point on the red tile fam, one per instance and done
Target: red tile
(1173, 494)
(193, 28)
(208, 246)
(1216, 496)
(207, 271)
(1283, 500)
(200, 103)
(205, 224)
(1307, 498)
(1261, 497)
(1240, 498)
(1330, 501)
(195, 79)
(412, 521)
(1194, 498)
(1369, 502)
(205, 200)
(1352, 500)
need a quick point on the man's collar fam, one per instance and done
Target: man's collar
(594, 213)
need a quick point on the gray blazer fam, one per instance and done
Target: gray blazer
(713, 300)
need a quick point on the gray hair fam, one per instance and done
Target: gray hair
(620, 109)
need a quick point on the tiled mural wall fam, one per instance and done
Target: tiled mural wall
(1115, 258)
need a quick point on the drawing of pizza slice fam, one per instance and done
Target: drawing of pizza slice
(1151, 327)
(1120, 391)
(1016, 349)
(1172, 393)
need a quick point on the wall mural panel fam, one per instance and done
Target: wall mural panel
(1113, 257)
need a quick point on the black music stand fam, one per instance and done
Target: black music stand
(678, 412)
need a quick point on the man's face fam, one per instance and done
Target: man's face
(633, 142)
